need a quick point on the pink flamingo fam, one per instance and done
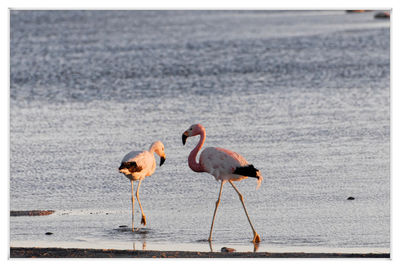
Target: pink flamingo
(137, 165)
(224, 165)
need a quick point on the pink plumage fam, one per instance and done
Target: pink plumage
(136, 166)
(219, 162)
(224, 165)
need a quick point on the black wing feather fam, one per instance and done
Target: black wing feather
(131, 166)
(249, 171)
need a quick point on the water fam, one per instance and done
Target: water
(303, 95)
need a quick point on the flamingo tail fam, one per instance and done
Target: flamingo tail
(250, 171)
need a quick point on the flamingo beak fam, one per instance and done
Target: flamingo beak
(162, 160)
(184, 137)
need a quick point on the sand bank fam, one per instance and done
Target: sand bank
(19, 252)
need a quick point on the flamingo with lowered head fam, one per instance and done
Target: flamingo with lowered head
(137, 165)
(224, 165)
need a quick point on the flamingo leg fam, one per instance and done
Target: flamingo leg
(133, 206)
(140, 205)
(256, 238)
(215, 211)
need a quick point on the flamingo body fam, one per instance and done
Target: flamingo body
(137, 165)
(224, 165)
(221, 163)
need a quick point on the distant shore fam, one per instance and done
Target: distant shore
(21, 252)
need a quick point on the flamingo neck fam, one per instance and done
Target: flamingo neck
(152, 148)
(192, 156)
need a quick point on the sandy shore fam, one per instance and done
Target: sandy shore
(19, 252)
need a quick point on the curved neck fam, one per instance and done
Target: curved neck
(151, 150)
(192, 156)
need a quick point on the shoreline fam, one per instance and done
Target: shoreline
(53, 252)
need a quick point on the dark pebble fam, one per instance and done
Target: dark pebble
(350, 198)
(31, 212)
(225, 249)
(48, 233)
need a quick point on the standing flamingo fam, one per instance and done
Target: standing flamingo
(224, 165)
(137, 165)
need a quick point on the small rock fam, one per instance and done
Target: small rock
(225, 249)
(31, 212)
(48, 233)
(350, 198)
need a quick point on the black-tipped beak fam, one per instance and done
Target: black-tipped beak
(162, 160)
(184, 138)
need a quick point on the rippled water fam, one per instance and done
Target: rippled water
(304, 96)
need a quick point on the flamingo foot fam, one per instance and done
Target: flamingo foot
(256, 238)
(143, 221)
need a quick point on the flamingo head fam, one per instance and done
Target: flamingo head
(158, 148)
(193, 130)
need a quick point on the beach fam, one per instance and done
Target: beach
(110, 253)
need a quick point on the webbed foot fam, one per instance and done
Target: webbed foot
(143, 221)
(256, 238)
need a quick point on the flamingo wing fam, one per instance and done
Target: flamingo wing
(237, 158)
(137, 161)
(132, 167)
(224, 164)
(221, 163)
(129, 157)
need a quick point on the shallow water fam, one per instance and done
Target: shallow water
(304, 96)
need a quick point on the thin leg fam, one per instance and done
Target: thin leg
(211, 247)
(216, 207)
(256, 238)
(140, 205)
(133, 206)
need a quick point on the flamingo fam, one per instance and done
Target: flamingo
(224, 165)
(137, 165)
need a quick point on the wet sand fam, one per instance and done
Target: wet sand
(19, 252)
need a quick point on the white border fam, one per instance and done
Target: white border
(205, 4)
